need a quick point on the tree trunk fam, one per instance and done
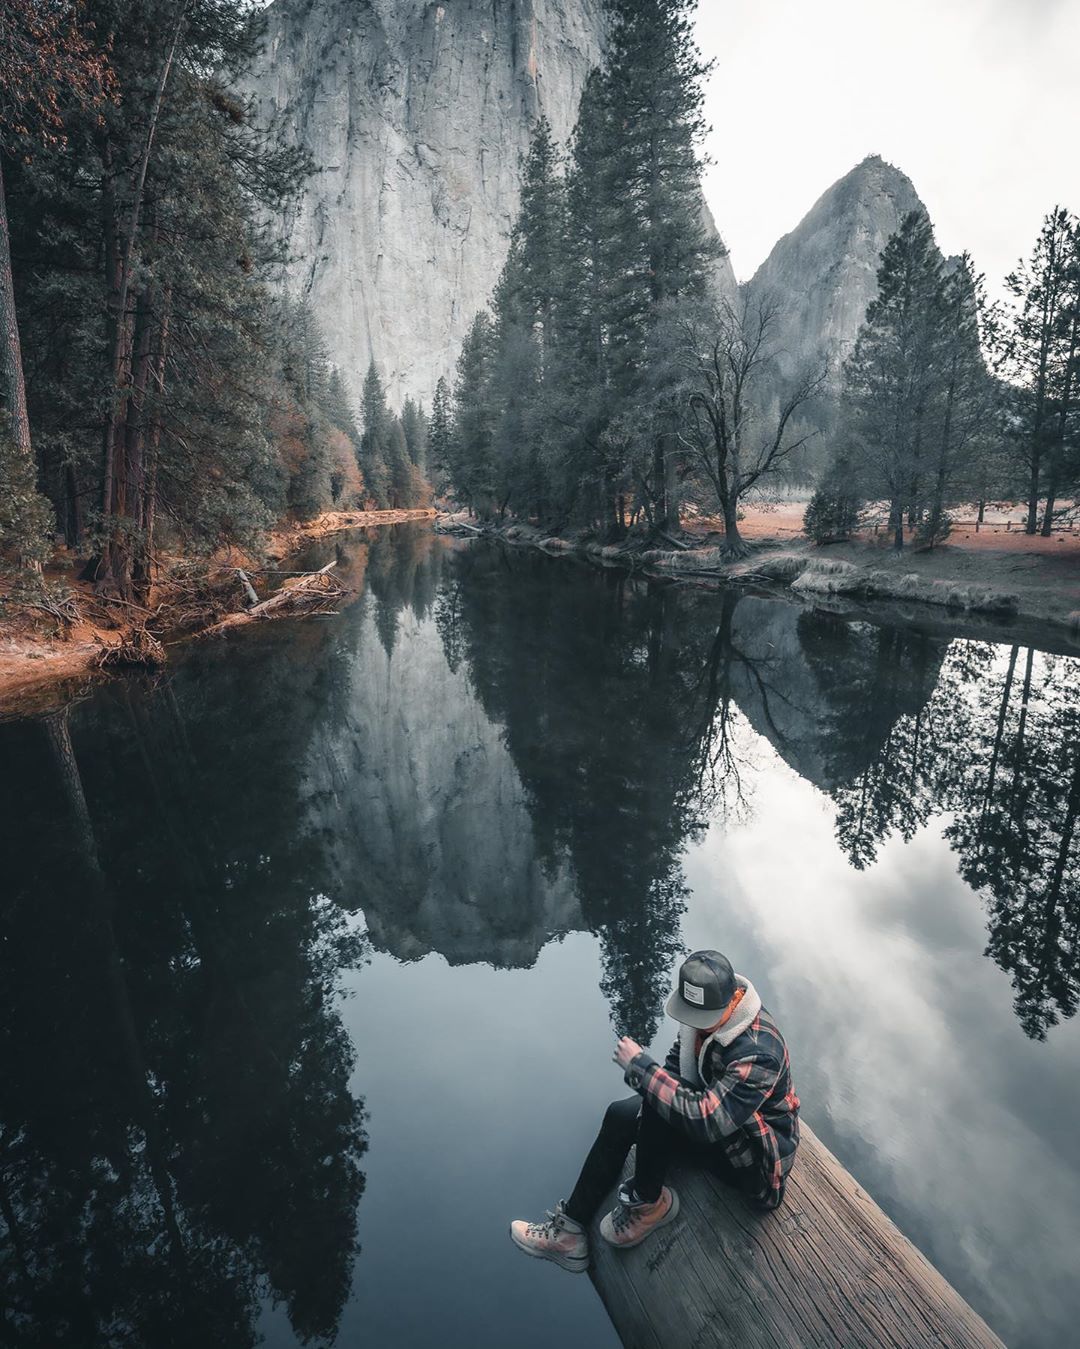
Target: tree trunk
(1048, 510)
(1066, 402)
(12, 383)
(119, 252)
(660, 480)
(896, 524)
(144, 553)
(734, 543)
(1033, 495)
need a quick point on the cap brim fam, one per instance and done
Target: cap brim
(701, 1018)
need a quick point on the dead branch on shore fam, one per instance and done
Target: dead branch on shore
(60, 604)
(140, 649)
(195, 596)
(314, 592)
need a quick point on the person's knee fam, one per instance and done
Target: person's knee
(621, 1116)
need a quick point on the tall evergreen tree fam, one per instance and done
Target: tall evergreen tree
(49, 60)
(471, 464)
(1038, 353)
(662, 248)
(889, 380)
(965, 397)
(414, 423)
(374, 441)
(402, 484)
(338, 406)
(594, 262)
(441, 433)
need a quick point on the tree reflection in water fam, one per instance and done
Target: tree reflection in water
(628, 708)
(177, 1136)
(996, 747)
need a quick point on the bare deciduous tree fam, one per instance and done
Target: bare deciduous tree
(726, 354)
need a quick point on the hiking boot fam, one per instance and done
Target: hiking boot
(557, 1238)
(631, 1220)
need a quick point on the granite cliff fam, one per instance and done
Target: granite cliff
(825, 271)
(417, 115)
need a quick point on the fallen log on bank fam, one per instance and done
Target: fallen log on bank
(314, 592)
(828, 1270)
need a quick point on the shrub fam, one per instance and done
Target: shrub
(833, 512)
(26, 518)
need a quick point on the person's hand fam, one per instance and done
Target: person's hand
(625, 1051)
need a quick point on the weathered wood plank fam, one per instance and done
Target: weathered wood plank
(828, 1270)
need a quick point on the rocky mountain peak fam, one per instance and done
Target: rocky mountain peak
(825, 270)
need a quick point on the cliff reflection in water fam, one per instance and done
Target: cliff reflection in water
(487, 750)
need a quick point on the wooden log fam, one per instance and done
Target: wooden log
(827, 1270)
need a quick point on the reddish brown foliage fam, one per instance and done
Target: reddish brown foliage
(47, 52)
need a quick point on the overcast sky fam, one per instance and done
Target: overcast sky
(978, 101)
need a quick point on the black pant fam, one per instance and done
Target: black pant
(631, 1121)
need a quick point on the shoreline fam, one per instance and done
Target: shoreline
(38, 669)
(1027, 600)
(1024, 595)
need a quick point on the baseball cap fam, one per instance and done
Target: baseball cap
(706, 986)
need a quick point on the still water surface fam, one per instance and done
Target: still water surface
(311, 956)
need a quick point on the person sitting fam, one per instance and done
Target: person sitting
(724, 1100)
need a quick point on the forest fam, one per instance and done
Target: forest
(613, 383)
(160, 391)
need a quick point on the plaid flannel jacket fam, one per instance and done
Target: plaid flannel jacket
(748, 1105)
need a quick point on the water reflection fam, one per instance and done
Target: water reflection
(486, 751)
(627, 708)
(177, 1137)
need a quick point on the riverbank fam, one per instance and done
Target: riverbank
(46, 657)
(999, 587)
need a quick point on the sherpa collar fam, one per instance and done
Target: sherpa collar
(742, 1017)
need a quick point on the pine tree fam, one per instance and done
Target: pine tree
(48, 59)
(471, 467)
(415, 425)
(1038, 352)
(338, 407)
(890, 378)
(833, 513)
(965, 401)
(440, 434)
(400, 467)
(374, 441)
(653, 79)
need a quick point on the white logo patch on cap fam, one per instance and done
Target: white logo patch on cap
(693, 994)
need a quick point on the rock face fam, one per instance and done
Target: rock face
(417, 116)
(825, 271)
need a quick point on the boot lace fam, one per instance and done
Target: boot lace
(622, 1215)
(552, 1223)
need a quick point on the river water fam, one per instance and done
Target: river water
(312, 954)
